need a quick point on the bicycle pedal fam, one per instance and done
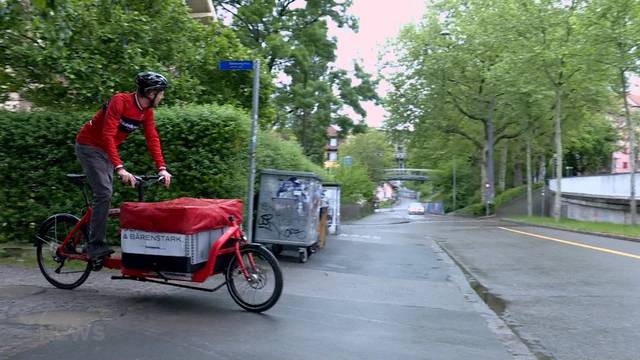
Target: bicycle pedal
(96, 265)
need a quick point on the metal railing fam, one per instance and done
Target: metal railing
(407, 174)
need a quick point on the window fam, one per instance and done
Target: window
(625, 165)
(333, 142)
(332, 156)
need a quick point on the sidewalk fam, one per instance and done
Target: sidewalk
(379, 218)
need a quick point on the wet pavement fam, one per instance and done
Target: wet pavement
(569, 296)
(382, 289)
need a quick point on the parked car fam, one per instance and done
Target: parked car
(416, 209)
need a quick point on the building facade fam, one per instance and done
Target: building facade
(331, 147)
(620, 159)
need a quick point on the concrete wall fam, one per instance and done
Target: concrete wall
(595, 209)
(614, 185)
(596, 198)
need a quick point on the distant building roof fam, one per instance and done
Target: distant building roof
(332, 131)
(634, 99)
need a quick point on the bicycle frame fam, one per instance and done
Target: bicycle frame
(229, 243)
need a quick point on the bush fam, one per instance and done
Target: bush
(478, 209)
(205, 147)
(274, 152)
(514, 193)
(355, 185)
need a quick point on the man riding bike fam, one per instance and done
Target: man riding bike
(96, 149)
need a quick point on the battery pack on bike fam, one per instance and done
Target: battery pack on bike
(175, 235)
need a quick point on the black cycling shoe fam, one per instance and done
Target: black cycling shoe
(98, 252)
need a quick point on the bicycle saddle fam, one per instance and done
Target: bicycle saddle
(77, 178)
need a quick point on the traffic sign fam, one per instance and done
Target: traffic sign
(235, 65)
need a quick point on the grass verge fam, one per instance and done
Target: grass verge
(18, 254)
(590, 226)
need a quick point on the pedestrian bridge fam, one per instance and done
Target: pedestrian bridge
(407, 174)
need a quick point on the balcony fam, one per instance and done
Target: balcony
(202, 9)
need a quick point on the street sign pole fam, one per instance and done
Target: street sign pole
(252, 148)
(255, 66)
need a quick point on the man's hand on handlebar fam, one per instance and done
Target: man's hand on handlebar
(166, 177)
(126, 177)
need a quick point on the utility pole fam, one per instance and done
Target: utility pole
(255, 66)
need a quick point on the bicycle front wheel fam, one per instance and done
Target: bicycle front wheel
(59, 270)
(263, 287)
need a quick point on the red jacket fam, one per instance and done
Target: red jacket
(114, 121)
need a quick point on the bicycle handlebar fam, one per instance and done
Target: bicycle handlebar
(142, 180)
(149, 179)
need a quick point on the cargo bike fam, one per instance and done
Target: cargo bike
(176, 242)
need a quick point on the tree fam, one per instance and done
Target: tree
(553, 44)
(355, 185)
(293, 36)
(74, 54)
(370, 150)
(615, 25)
(460, 78)
(483, 72)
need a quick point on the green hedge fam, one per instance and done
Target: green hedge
(355, 185)
(205, 147)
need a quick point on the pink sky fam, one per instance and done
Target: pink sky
(379, 21)
(635, 84)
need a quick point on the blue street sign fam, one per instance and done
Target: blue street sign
(235, 65)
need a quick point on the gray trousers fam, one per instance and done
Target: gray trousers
(99, 171)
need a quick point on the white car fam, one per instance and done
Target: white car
(416, 209)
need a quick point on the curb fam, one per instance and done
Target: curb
(380, 224)
(509, 337)
(615, 236)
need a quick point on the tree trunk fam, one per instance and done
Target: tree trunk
(558, 140)
(632, 150)
(303, 137)
(529, 179)
(489, 147)
(502, 173)
(483, 177)
(518, 177)
(542, 176)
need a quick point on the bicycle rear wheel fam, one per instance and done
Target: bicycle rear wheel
(61, 271)
(264, 286)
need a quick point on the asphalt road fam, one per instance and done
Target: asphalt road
(382, 289)
(568, 296)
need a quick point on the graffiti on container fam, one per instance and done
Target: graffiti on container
(265, 222)
(293, 232)
(297, 190)
(293, 188)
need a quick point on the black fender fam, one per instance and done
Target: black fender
(36, 239)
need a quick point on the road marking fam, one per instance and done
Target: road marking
(374, 237)
(575, 244)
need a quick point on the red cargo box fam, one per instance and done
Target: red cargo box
(182, 216)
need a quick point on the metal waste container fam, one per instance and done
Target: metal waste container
(331, 195)
(288, 211)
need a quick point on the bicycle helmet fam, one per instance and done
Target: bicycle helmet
(147, 81)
